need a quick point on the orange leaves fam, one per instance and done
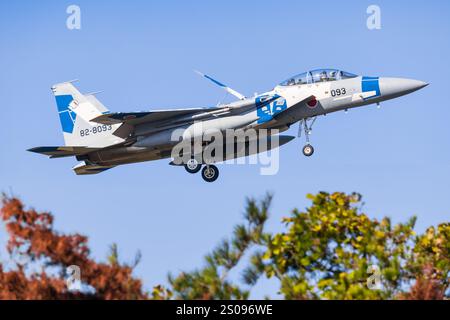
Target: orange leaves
(31, 235)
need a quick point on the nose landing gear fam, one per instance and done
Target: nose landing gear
(308, 149)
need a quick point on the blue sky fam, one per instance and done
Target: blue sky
(141, 54)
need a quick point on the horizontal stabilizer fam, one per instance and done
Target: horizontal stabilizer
(85, 168)
(57, 152)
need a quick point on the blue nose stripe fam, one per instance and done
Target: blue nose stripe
(369, 84)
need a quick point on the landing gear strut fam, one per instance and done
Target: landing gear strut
(210, 173)
(308, 149)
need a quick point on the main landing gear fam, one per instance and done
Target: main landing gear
(308, 149)
(210, 172)
(192, 166)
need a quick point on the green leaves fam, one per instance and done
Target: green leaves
(324, 252)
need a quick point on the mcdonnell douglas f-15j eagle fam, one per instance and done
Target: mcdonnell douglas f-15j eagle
(102, 140)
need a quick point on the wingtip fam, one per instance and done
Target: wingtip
(198, 72)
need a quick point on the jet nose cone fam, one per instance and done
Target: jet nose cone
(395, 87)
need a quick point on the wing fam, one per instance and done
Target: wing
(135, 118)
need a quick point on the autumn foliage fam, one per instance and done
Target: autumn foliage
(329, 250)
(325, 251)
(41, 256)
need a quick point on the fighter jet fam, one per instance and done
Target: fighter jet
(101, 139)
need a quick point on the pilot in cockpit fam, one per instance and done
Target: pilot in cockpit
(333, 75)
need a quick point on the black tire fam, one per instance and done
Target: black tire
(210, 173)
(193, 166)
(308, 150)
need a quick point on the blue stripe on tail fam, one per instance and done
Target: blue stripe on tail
(66, 116)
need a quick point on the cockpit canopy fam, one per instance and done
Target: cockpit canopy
(319, 75)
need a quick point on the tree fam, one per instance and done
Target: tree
(41, 256)
(426, 287)
(329, 251)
